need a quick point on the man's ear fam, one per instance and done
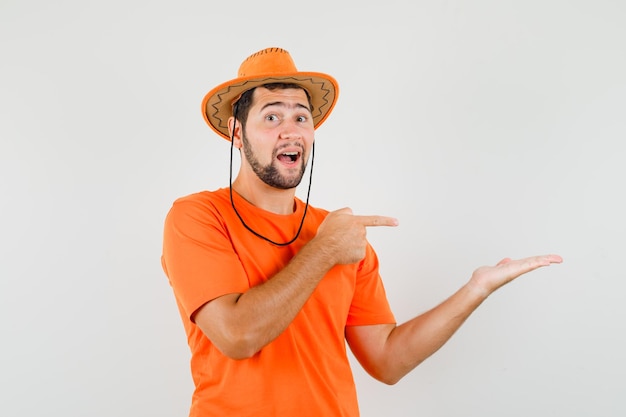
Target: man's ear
(236, 137)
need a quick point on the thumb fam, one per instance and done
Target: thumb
(504, 261)
(345, 210)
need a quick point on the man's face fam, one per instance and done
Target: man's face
(278, 136)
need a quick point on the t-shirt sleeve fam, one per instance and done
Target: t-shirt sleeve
(369, 304)
(198, 257)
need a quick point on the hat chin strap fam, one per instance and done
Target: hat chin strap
(232, 203)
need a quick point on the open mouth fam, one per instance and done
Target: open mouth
(289, 157)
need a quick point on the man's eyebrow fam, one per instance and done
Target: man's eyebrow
(283, 104)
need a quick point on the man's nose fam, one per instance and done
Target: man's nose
(289, 130)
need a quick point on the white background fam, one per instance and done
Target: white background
(489, 128)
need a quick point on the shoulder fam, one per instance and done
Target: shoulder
(199, 205)
(216, 198)
(203, 197)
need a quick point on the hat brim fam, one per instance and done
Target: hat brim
(217, 106)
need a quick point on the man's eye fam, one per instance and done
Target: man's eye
(302, 119)
(271, 117)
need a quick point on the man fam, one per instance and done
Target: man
(270, 288)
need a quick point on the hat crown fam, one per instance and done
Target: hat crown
(268, 61)
(267, 66)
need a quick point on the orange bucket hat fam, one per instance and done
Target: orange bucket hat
(270, 65)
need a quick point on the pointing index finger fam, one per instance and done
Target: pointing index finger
(377, 220)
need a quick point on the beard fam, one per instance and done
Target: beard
(269, 173)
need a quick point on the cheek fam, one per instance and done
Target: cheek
(262, 152)
(308, 135)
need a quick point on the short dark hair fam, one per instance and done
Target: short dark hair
(241, 108)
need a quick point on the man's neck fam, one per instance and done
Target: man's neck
(265, 197)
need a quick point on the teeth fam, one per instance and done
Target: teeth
(290, 153)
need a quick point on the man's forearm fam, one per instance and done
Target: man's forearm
(410, 343)
(241, 325)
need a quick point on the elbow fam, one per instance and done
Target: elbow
(236, 346)
(234, 336)
(389, 375)
(390, 381)
(237, 355)
(387, 378)
(237, 351)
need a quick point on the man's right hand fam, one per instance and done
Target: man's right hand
(343, 235)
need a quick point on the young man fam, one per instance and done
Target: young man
(270, 288)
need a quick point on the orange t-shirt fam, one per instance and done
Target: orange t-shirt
(207, 253)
